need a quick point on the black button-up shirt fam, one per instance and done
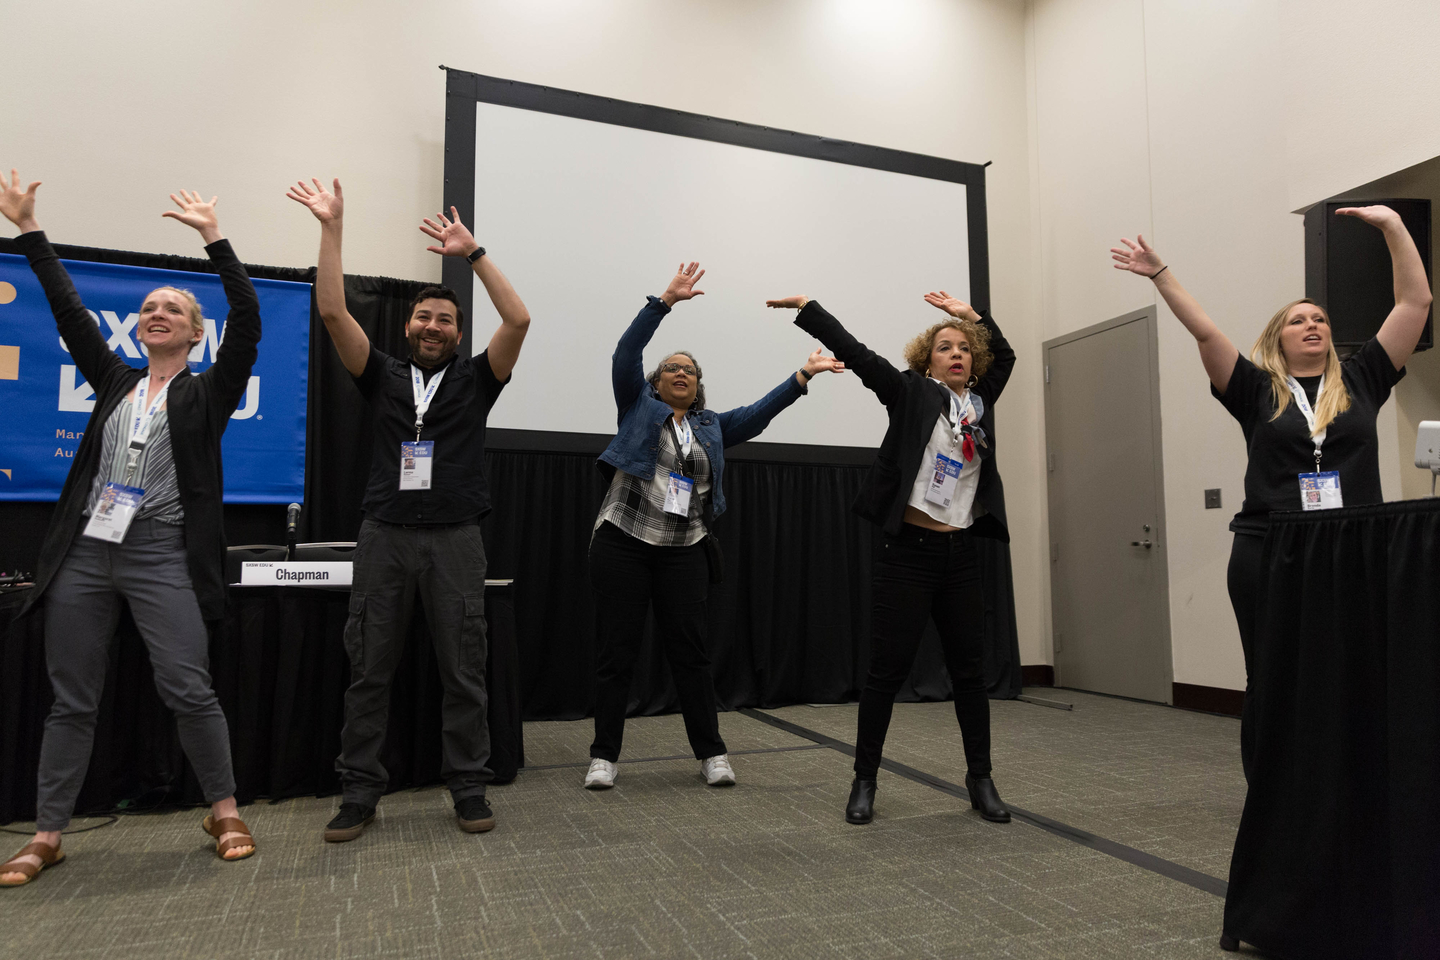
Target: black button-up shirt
(455, 422)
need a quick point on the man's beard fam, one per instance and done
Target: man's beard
(447, 351)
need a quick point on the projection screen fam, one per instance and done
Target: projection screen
(588, 205)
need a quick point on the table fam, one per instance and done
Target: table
(1338, 852)
(279, 668)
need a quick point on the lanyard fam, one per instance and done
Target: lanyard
(141, 420)
(1303, 402)
(682, 444)
(424, 394)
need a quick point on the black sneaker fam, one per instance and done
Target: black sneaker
(349, 823)
(475, 815)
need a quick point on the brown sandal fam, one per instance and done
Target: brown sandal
(49, 856)
(229, 834)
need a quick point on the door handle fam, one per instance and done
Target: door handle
(1141, 543)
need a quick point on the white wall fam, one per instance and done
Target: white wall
(1360, 82)
(120, 104)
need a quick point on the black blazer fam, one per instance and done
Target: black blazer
(914, 402)
(198, 409)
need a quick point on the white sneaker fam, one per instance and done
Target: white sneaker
(717, 771)
(601, 775)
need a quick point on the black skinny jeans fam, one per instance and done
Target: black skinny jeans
(1244, 578)
(920, 574)
(629, 575)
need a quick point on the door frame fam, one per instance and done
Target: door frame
(1147, 316)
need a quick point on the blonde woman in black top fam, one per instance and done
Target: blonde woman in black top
(1308, 418)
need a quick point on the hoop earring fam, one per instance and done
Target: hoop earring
(972, 381)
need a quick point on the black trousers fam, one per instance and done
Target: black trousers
(445, 567)
(1244, 578)
(922, 574)
(629, 575)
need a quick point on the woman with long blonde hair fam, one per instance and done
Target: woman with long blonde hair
(1308, 418)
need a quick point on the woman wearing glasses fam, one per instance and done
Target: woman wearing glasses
(664, 468)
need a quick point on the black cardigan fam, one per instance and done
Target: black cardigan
(198, 410)
(914, 402)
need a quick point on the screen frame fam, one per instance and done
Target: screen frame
(463, 90)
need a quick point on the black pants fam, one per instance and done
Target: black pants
(445, 566)
(628, 575)
(922, 574)
(1245, 579)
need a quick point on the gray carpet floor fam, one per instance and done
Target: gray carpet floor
(664, 866)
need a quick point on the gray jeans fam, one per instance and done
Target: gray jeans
(82, 608)
(445, 566)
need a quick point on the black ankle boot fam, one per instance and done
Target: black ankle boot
(861, 808)
(985, 798)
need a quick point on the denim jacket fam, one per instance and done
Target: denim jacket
(641, 413)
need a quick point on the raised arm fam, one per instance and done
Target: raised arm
(627, 364)
(329, 208)
(19, 205)
(874, 371)
(237, 352)
(1402, 328)
(88, 348)
(455, 240)
(1217, 353)
(1002, 357)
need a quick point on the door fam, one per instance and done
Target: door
(1109, 587)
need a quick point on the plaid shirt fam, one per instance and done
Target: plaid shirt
(637, 505)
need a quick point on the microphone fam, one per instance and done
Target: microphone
(292, 515)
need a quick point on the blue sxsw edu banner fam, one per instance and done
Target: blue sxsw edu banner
(47, 403)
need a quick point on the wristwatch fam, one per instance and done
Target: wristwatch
(479, 252)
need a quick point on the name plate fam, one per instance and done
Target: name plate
(296, 573)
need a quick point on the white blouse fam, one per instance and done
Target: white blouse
(946, 440)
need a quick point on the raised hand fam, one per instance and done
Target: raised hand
(958, 309)
(788, 303)
(819, 363)
(197, 213)
(18, 205)
(682, 287)
(1139, 258)
(328, 207)
(455, 239)
(1377, 216)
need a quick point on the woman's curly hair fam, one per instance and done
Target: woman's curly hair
(917, 351)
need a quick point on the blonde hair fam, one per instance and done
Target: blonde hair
(197, 316)
(917, 351)
(1267, 355)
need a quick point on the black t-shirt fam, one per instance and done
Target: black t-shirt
(455, 421)
(1282, 449)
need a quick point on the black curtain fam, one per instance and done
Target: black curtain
(1338, 852)
(790, 623)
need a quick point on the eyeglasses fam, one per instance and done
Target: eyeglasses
(677, 367)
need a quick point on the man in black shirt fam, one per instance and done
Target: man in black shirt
(422, 506)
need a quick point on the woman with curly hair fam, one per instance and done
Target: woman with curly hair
(663, 473)
(933, 488)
